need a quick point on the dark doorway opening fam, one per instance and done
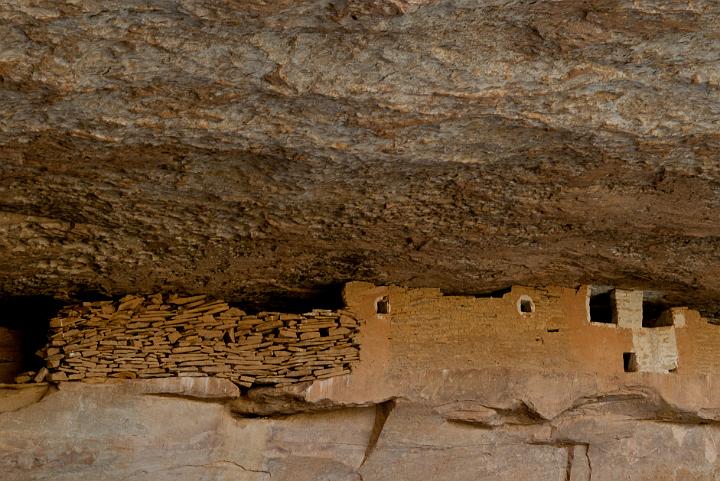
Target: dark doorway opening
(526, 306)
(601, 308)
(26, 319)
(655, 315)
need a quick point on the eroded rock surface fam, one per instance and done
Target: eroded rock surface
(255, 149)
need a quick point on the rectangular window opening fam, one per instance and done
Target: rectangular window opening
(601, 308)
(629, 362)
(655, 315)
(383, 306)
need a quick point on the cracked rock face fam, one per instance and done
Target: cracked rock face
(247, 148)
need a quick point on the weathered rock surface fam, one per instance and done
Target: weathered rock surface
(18, 396)
(84, 432)
(250, 149)
(90, 432)
(192, 387)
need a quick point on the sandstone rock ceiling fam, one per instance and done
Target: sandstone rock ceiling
(250, 149)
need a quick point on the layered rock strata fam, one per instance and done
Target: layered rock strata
(275, 148)
(165, 336)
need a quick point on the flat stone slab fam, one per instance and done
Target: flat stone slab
(192, 387)
(197, 387)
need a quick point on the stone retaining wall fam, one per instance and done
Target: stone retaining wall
(165, 336)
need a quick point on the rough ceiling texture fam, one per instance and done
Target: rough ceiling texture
(247, 148)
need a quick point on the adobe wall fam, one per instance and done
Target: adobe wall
(407, 330)
(429, 330)
(427, 335)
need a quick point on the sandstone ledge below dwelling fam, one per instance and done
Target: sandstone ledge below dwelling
(209, 388)
(486, 424)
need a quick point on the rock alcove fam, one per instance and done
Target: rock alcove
(419, 156)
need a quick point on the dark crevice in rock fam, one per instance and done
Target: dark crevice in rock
(269, 402)
(495, 294)
(17, 311)
(639, 405)
(294, 301)
(569, 464)
(239, 409)
(481, 416)
(212, 464)
(189, 397)
(589, 461)
(382, 412)
(15, 397)
(51, 389)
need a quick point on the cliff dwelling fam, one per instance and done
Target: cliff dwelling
(529, 366)
(157, 336)
(359, 240)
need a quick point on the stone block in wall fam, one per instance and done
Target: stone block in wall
(678, 315)
(628, 308)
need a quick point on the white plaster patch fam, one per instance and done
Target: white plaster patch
(588, 293)
(678, 316)
(628, 309)
(655, 349)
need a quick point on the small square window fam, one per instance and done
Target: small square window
(383, 306)
(526, 305)
(630, 362)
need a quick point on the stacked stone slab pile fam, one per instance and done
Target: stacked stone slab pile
(165, 336)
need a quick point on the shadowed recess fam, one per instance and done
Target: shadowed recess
(30, 316)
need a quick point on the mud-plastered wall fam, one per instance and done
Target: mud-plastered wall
(551, 329)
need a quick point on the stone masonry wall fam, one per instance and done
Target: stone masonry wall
(166, 336)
